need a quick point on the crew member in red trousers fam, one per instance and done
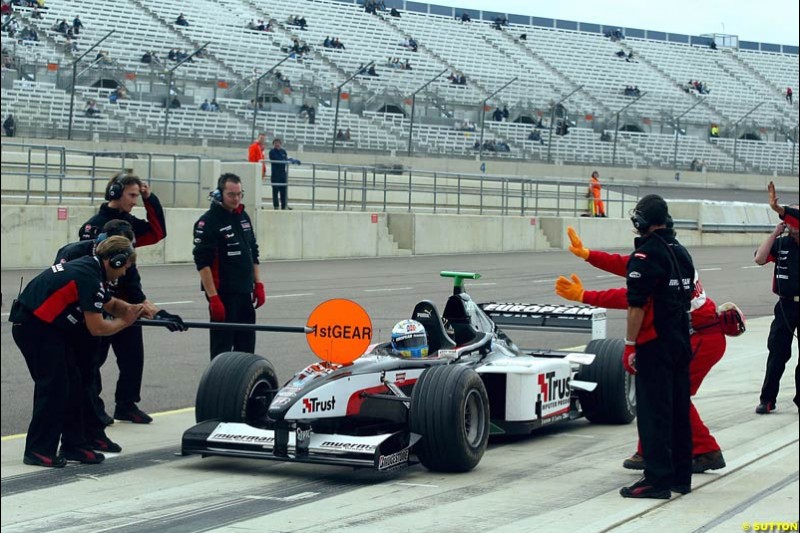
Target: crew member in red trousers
(708, 343)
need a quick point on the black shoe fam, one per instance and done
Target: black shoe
(102, 443)
(682, 489)
(644, 489)
(132, 413)
(708, 461)
(105, 419)
(39, 459)
(83, 455)
(634, 462)
(765, 408)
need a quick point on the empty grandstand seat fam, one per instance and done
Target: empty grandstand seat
(426, 314)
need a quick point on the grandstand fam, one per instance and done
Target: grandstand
(564, 73)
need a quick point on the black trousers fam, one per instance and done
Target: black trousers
(128, 347)
(238, 308)
(279, 193)
(662, 405)
(57, 393)
(779, 344)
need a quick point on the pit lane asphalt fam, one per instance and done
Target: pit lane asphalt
(562, 478)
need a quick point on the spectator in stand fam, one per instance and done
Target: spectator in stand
(340, 135)
(395, 13)
(406, 65)
(465, 17)
(338, 44)
(214, 106)
(535, 136)
(498, 115)
(6, 9)
(713, 45)
(77, 25)
(91, 109)
(102, 58)
(205, 106)
(347, 134)
(181, 20)
(175, 104)
(147, 58)
(71, 45)
(629, 58)
(301, 22)
(477, 145)
(697, 165)
(620, 54)
(714, 131)
(789, 95)
(327, 42)
(172, 55)
(36, 14)
(10, 125)
(506, 114)
(371, 71)
(523, 37)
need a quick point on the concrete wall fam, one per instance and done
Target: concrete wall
(31, 235)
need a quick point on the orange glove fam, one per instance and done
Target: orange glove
(571, 290)
(576, 245)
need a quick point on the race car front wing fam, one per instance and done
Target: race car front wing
(300, 444)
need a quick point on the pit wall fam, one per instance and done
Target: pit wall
(31, 235)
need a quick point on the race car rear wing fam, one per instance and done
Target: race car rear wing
(568, 318)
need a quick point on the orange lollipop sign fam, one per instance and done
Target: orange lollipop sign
(341, 331)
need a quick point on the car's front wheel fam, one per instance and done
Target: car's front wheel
(450, 410)
(236, 387)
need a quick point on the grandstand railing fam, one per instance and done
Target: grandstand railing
(45, 163)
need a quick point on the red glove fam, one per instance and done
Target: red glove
(217, 308)
(629, 359)
(259, 296)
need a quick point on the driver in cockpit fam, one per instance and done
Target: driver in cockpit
(409, 339)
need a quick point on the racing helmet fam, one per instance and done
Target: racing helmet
(409, 339)
(731, 319)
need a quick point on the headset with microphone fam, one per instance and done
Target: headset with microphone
(120, 259)
(216, 195)
(114, 189)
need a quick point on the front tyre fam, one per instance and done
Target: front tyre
(614, 399)
(450, 409)
(236, 387)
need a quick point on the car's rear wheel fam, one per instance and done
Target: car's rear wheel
(236, 387)
(614, 399)
(450, 409)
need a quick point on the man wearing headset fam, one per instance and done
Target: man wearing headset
(122, 194)
(50, 318)
(128, 284)
(783, 251)
(226, 256)
(710, 325)
(660, 284)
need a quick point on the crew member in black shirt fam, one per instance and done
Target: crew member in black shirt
(781, 248)
(226, 256)
(122, 194)
(130, 287)
(660, 283)
(51, 317)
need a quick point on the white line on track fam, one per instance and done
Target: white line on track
(417, 485)
(292, 498)
(710, 269)
(600, 276)
(481, 284)
(389, 289)
(175, 303)
(751, 266)
(5, 314)
(269, 296)
(542, 281)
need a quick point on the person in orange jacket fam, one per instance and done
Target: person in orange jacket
(708, 341)
(255, 154)
(595, 189)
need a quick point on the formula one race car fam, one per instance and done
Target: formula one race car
(381, 411)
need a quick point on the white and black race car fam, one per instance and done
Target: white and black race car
(382, 411)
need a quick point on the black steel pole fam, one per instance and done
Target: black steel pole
(229, 326)
(411, 125)
(336, 118)
(169, 88)
(258, 85)
(338, 98)
(255, 109)
(675, 150)
(736, 131)
(72, 99)
(75, 80)
(794, 148)
(616, 128)
(483, 110)
(413, 106)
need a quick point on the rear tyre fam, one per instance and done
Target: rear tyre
(450, 409)
(614, 399)
(236, 387)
